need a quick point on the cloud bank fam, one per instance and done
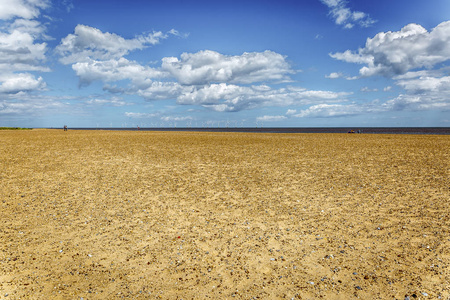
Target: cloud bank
(206, 78)
(22, 48)
(393, 53)
(209, 66)
(415, 59)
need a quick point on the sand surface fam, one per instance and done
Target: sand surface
(168, 215)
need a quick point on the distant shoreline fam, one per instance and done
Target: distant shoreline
(14, 128)
(363, 130)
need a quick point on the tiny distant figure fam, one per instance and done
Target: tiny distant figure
(351, 131)
(139, 128)
(65, 127)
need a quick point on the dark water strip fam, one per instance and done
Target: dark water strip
(364, 130)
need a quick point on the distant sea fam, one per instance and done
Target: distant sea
(363, 130)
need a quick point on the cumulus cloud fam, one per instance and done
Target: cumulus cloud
(225, 97)
(115, 70)
(26, 9)
(162, 90)
(345, 17)
(419, 102)
(206, 78)
(89, 43)
(334, 75)
(20, 51)
(393, 53)
(208, 66)
(424, 90)
(426, 84)
(22, 82)
(212, 94)
(32, 27)
(415, 59)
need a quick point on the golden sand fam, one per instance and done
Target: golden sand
(170, 215)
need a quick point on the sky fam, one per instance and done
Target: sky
(246, 63)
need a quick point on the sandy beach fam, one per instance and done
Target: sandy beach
(170, 215)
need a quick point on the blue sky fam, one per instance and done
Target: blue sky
(304, 63)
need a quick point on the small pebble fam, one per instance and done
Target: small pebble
(425, 294)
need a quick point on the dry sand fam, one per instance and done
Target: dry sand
(169, 215)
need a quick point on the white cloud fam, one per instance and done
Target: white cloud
(27, 105)
(415, 59)
(115, 70)
(212, 67)
(175, 119)
(395, 53)
(342, 15)
(419, 102)
(116, 102)
(206, 78)
(219, 107)
(193, 74)
(329, 110)
(68, 5)
(19, 50)
(291, 112)
(162, 90)
(213, 93)
(271, 118)
(421, 73)
(366, 89)
(423, 91)
(22, 82)
(89, 43)
(334, 75)
(140, 115)
(26, 9)
(32, 27)
(225, 97)
(424, 84)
